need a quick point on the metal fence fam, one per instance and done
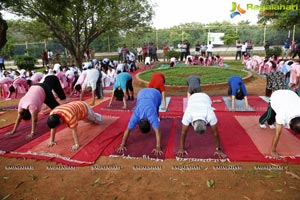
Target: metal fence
(111, 42)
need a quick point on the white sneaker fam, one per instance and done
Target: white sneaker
(262, 126)
(272, 126)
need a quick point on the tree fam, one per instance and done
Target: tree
(282, 19)
(230, 37)
(77, 23)
(3, 29)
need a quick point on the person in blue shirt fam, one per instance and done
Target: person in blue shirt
(286, 45)
(146, 114)
(237, 90)
(122, 85)
(2, 66)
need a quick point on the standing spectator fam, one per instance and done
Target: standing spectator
(238, 50)
(133, 50)
(124, 52)
(188, 47)
(249, 47)
(267, 47)
(145, 51)
(296, 50)
(183, 51)
(155, 57)
(45, 58)
(244, 49)
(197, 49)
(286, 46)
(2, 65)
(203, 49)
(120, 54)
(139, 51)
(179, 47)
(50, 56)
(151, 51)
(88, 54)
(209, 49)
(165, 49)
(171, 47)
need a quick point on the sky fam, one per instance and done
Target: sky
(169, 13)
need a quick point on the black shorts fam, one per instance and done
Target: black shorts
(50, 100)
(129, 85)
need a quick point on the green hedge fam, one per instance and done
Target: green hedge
(274, 51)
(25, 62)
(171, 54)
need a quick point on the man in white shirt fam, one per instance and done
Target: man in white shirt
(284, 109)
(209, 49)
(199, 113)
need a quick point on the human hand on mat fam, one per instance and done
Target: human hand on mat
(157, 151)
(75, 147)
(51, 144)
(217, 101)
(247, 107)
(121, 149)
(29, 136)
(10, 133)
(181, 153)
(124, 107)
(220, 154)
(275, 155)
(163, 108)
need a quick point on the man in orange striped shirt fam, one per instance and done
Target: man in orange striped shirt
(70, 114)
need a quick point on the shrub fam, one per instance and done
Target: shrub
(25, 62)
(274, 51)
(171, 54)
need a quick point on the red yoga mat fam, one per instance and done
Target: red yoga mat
(87, 132)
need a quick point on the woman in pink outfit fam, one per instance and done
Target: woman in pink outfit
(220, 61)
(62, 79)
(35, 78)
(295, 76)
(5, 83)
(19, 85)
(31, 104)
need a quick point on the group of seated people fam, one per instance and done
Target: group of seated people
(200, 61)
(285, 73)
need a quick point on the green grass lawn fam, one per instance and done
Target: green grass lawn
(208, 75)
